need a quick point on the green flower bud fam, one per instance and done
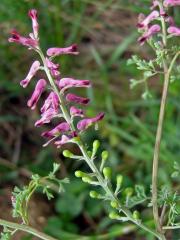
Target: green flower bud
(94, 194)
(128, 192)
(79, 174)
(104, 155)
(107, 172)
(113, 215)
(96, 145)
(119, 180)
(68, 154)
(136, 215)
(86, 179)
(114, 204)
(89, 153)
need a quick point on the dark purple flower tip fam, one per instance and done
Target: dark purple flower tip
(149, 33)
(40, 86)
(70, 97)
(85, 123)
(171, 3)
(174, 31)
(66, 83)
(17, 38)
(33, 70)
(62, 127)
(76, 112)
(59, 51)
(33, 13)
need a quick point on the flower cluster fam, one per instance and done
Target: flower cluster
(147, 26)
(58, 98)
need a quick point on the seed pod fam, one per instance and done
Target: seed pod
(129, 192)
(113, 215)
(136, 215)
(68, 154)
(107, 172)
(79, 174)
(104, 155)
(94, 194)
(114, 204)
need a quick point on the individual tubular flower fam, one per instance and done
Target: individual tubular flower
(171, 3)
(60, 128)
(66, 83)
(53, 68)
(152, 16)
(149, 33)
(76, 112)
(25, 41)
(70, 97)
(46, 117)
(40, 86)
(33, 15)
(59, 51)
(157, 4)
(64, 139)
(85, 123)
(33, 70)
(174, 31)
(51, 101)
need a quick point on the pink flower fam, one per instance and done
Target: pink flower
(66, 83)
(175, 31)
(33, 15)
(53, 68)
(171, 3)
(51, 65)
(85, 123)
(62, 127)
(46, 117)
(70, 97)
(170, 20)
(51, 101)
(76, 112)
(152, 16)
(157, 4)
(150, 32)
(59, 51)
(64, 139)
(33, 70)
(29, 42)
(40, 86)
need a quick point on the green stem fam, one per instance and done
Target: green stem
(26, 228)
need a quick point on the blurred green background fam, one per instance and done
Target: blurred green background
(105, 31)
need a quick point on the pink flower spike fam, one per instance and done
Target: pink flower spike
(76, 112)
(59, 51)
(62, 127)
(152, 16)
(33, 15)
(64, 139)
(17, 38)
(66, 83)
(171, 3)
(40, 86)
(33, 70)
(70, 97)
(85, 123)
(150, 32)
(174, 31)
